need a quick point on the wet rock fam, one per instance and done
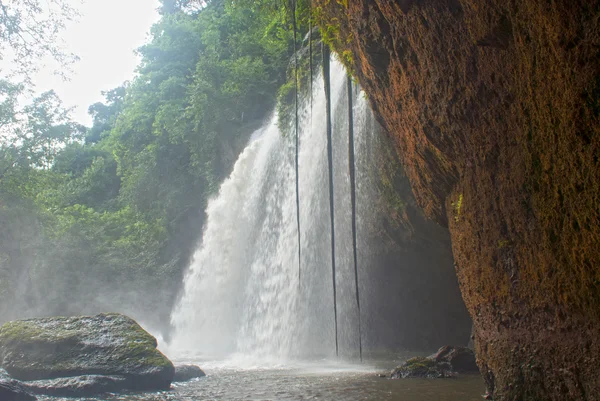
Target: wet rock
(105, 344)
(187, 372)
(421, 366)
(461, 359)
(12, 390)
(78, 386)
(447, 362)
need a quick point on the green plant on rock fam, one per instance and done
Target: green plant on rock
(457, 208)
(503, 243)
(419, 366)
(334, 34)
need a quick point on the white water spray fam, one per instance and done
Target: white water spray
(241, 294)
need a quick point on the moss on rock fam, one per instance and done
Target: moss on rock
(421, 366)
(105, 344)
(447, 362)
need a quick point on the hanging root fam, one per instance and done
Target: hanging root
(327, 82)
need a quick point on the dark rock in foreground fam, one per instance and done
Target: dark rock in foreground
(105, 345)
(447, 362)
(78, 386)
(187, 372)
(12, 390)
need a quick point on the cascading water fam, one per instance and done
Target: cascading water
(242, 294)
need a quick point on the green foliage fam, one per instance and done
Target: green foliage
(419, 362)
(287, 92)
(457, 206)
(108, 217)
(503, 243)
(326, 16)
(105, 114)
(285, 104)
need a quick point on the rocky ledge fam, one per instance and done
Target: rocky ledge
(449, 361)
(80, 356)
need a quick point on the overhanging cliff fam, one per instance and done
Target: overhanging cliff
(494, 107)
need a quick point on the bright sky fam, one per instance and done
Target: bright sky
(105, 38)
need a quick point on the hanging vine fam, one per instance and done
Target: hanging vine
(327, 82)
(310, 55)
(296, 128)
(352, 172)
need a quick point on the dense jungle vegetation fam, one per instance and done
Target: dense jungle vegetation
(106, 217)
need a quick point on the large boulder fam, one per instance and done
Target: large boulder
(105, 344)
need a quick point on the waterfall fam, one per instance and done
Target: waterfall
(241, 293)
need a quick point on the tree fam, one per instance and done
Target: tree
(188, 6)
(105, 114)
(32, 136)
(30, 30)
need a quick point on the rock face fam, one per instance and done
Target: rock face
(494, 107)
(105, 344)
(447, 362)
(187, 372)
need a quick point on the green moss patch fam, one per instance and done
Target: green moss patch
(106, 344)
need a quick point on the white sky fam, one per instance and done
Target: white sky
(104, 38)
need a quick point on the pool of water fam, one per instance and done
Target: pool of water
(323, 380)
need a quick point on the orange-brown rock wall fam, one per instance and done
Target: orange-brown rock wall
(495, 109)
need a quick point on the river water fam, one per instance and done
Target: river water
(319, 380)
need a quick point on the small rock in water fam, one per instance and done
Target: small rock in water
(447, 362)
(421, 366)
(461, 359)
(187, 372)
